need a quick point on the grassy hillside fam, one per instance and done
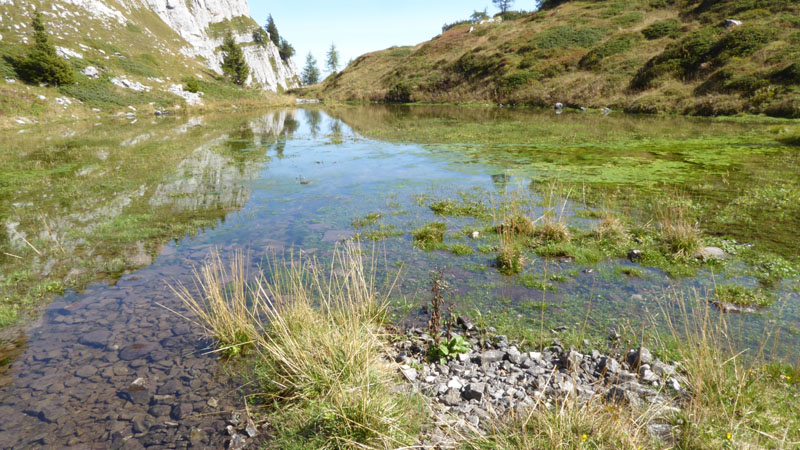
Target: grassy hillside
(638, 55)
(143, 50)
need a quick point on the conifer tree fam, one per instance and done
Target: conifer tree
(333, 60)
(43, 65)
(272, 29)
(310, 71)
(233, 62)
(285, 49)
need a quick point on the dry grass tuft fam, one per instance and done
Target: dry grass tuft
(320, 357)
(610, 227)
(681, 236)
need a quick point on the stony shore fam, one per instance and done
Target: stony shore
(476, 390)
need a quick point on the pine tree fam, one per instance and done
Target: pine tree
(43, 65)
(285, 49)
(333, 60)
(503, 5)
(272, 29)
(233, 62)
(310, 71)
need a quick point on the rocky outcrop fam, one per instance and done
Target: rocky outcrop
(196, 20)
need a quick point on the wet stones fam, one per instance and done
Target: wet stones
(138, 392)
(637, 357)
(135, 351)
(97, 338)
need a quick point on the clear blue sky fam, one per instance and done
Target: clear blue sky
(361, 26)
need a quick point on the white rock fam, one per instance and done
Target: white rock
(454, 383)
(67, 53)
(91, 72)
(128, 84)
(192, 98)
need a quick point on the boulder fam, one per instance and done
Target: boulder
(91, 72)
(709, 253)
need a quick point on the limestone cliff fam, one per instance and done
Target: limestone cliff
(203, 24)
(176, 37)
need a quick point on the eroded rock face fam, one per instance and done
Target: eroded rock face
(192, 21)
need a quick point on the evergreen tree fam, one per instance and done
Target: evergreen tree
(310, 71)
(333, 60)
(285, 49)
(43, 65)
(272, 29)
(233, 62)
(503, 5)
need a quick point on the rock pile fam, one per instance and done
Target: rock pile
(495, 378)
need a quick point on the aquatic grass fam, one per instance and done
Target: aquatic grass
(221, 302)
(680, 235)
(319, 354)
(430, 236)
(464, 207)
(733, 400)
(366, 221)
(611, 227)
(517, 225)
(509, 259)
(742, 295)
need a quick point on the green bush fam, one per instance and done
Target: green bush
(660, 29)
(681, 58)
(741, 41)
(788, 75)
(400, 93)
(567, 37)
(614, 46)
(628, 20)
(192, 85)
(471, 64)
(516, 81)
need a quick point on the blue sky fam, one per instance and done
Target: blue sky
(361, 26)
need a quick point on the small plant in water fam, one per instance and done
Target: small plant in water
(430, 236)
(509, 259)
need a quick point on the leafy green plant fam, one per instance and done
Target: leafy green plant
(660, 29)
(449, 348)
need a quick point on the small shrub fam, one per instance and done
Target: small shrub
(788, 75)
(192, 85)
(430, 236)
(449, 348)
(42, 64)
(516, 225)
(400, 93)
(509, 259)
(611, 228)
(614, 46)
(566, 37)
(551, 231)
(660, 29)
(682, 58)
(741, 41)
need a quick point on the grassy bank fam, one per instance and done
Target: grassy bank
(640, 56)
(314, 344)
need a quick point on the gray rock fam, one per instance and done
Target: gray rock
(635, 255)
(138, 392)
(731, 23)
(490, 356)
(237, 442)
(451, 398)
(638, 357)
(609, 365)
(181, 411)
(97, 338)
(410, 373)
(474, 391)
(661, 431)
(709, 253)
(250, 429)
(622, 396)
(135, 351)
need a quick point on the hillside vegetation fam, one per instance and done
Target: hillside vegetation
(639, 55)
(144, 52)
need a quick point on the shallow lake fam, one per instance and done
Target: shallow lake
(106, 216)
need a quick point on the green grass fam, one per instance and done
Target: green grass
(430, 236)
(742, 296)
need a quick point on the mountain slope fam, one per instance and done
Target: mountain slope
(136, 52)
(638, 55)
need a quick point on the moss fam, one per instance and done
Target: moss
(464, 207)
(430, 236)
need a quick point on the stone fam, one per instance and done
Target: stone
(91, 72)
(474, 391)
(197, 436)
(451, 398)
(635, 255)
(212, 402)
(620, 395)
(709, 253)
(609, 365)
(237, 442)
(490, 356)
(251, 430)
(638, 357)
(135, 351)
(465, 323)
(661, 431)
(171, 387)
(731, 23)
(97, 338)
(455, 383)
(138, 392)
(181, 411)
(86, 371)
(410, 373)
(559, 105)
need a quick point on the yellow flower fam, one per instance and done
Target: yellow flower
(584, 438)
(729, 436)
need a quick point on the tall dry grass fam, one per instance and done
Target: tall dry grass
(318, 350)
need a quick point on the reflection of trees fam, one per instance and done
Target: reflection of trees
(336, 132)
(313, 119)
(500, 181)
